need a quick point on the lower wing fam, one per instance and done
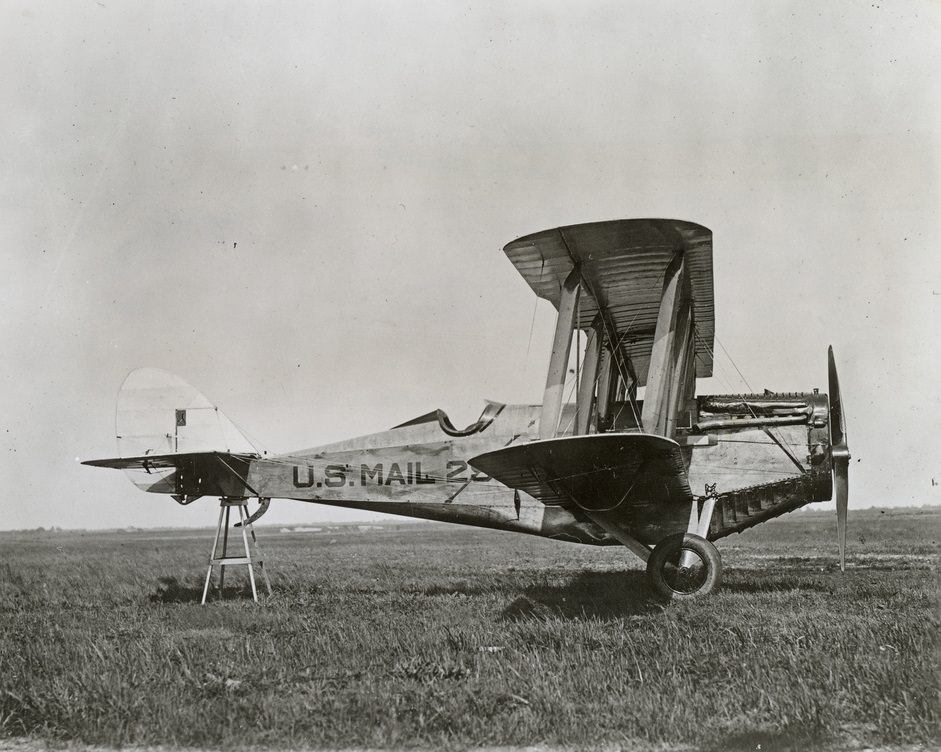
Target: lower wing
(594, 473)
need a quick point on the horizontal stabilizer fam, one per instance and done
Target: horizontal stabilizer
(594, 473)
(149, 462)
(187, 474)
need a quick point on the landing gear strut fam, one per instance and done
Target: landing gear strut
(684, 566)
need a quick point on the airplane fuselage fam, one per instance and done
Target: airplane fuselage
(763, 454)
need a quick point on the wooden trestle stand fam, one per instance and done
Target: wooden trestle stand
(222, 560)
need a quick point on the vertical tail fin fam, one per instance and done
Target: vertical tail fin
(159, 413)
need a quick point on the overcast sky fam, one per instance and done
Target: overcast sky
(299, 207)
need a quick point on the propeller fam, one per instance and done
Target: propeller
(839, 455)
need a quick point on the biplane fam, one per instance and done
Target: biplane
(664, 472)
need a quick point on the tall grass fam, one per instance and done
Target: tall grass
(449, 637)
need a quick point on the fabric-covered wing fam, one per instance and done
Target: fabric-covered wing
(622, 267)
(599, 472)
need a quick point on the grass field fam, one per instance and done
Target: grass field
(433, 636)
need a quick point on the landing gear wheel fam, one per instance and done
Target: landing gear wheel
(684, 566)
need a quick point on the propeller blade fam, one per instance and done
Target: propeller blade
(839, 455)
(837, 422)
(841, 486)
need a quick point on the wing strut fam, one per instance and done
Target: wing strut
(620, 535)
(586, 389)
(558, 363)
(671, 355)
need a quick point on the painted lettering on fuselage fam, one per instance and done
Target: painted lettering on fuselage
(457, 472)
(384, 474)
(298, 483)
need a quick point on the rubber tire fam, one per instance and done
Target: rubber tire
(664, 553)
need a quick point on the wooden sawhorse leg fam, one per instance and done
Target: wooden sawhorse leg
(222, 559)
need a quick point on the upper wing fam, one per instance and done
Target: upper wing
(622, 266)
(594, 473)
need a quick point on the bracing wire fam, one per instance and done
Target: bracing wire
(770, 429)
(732, 361)
(532, 323)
